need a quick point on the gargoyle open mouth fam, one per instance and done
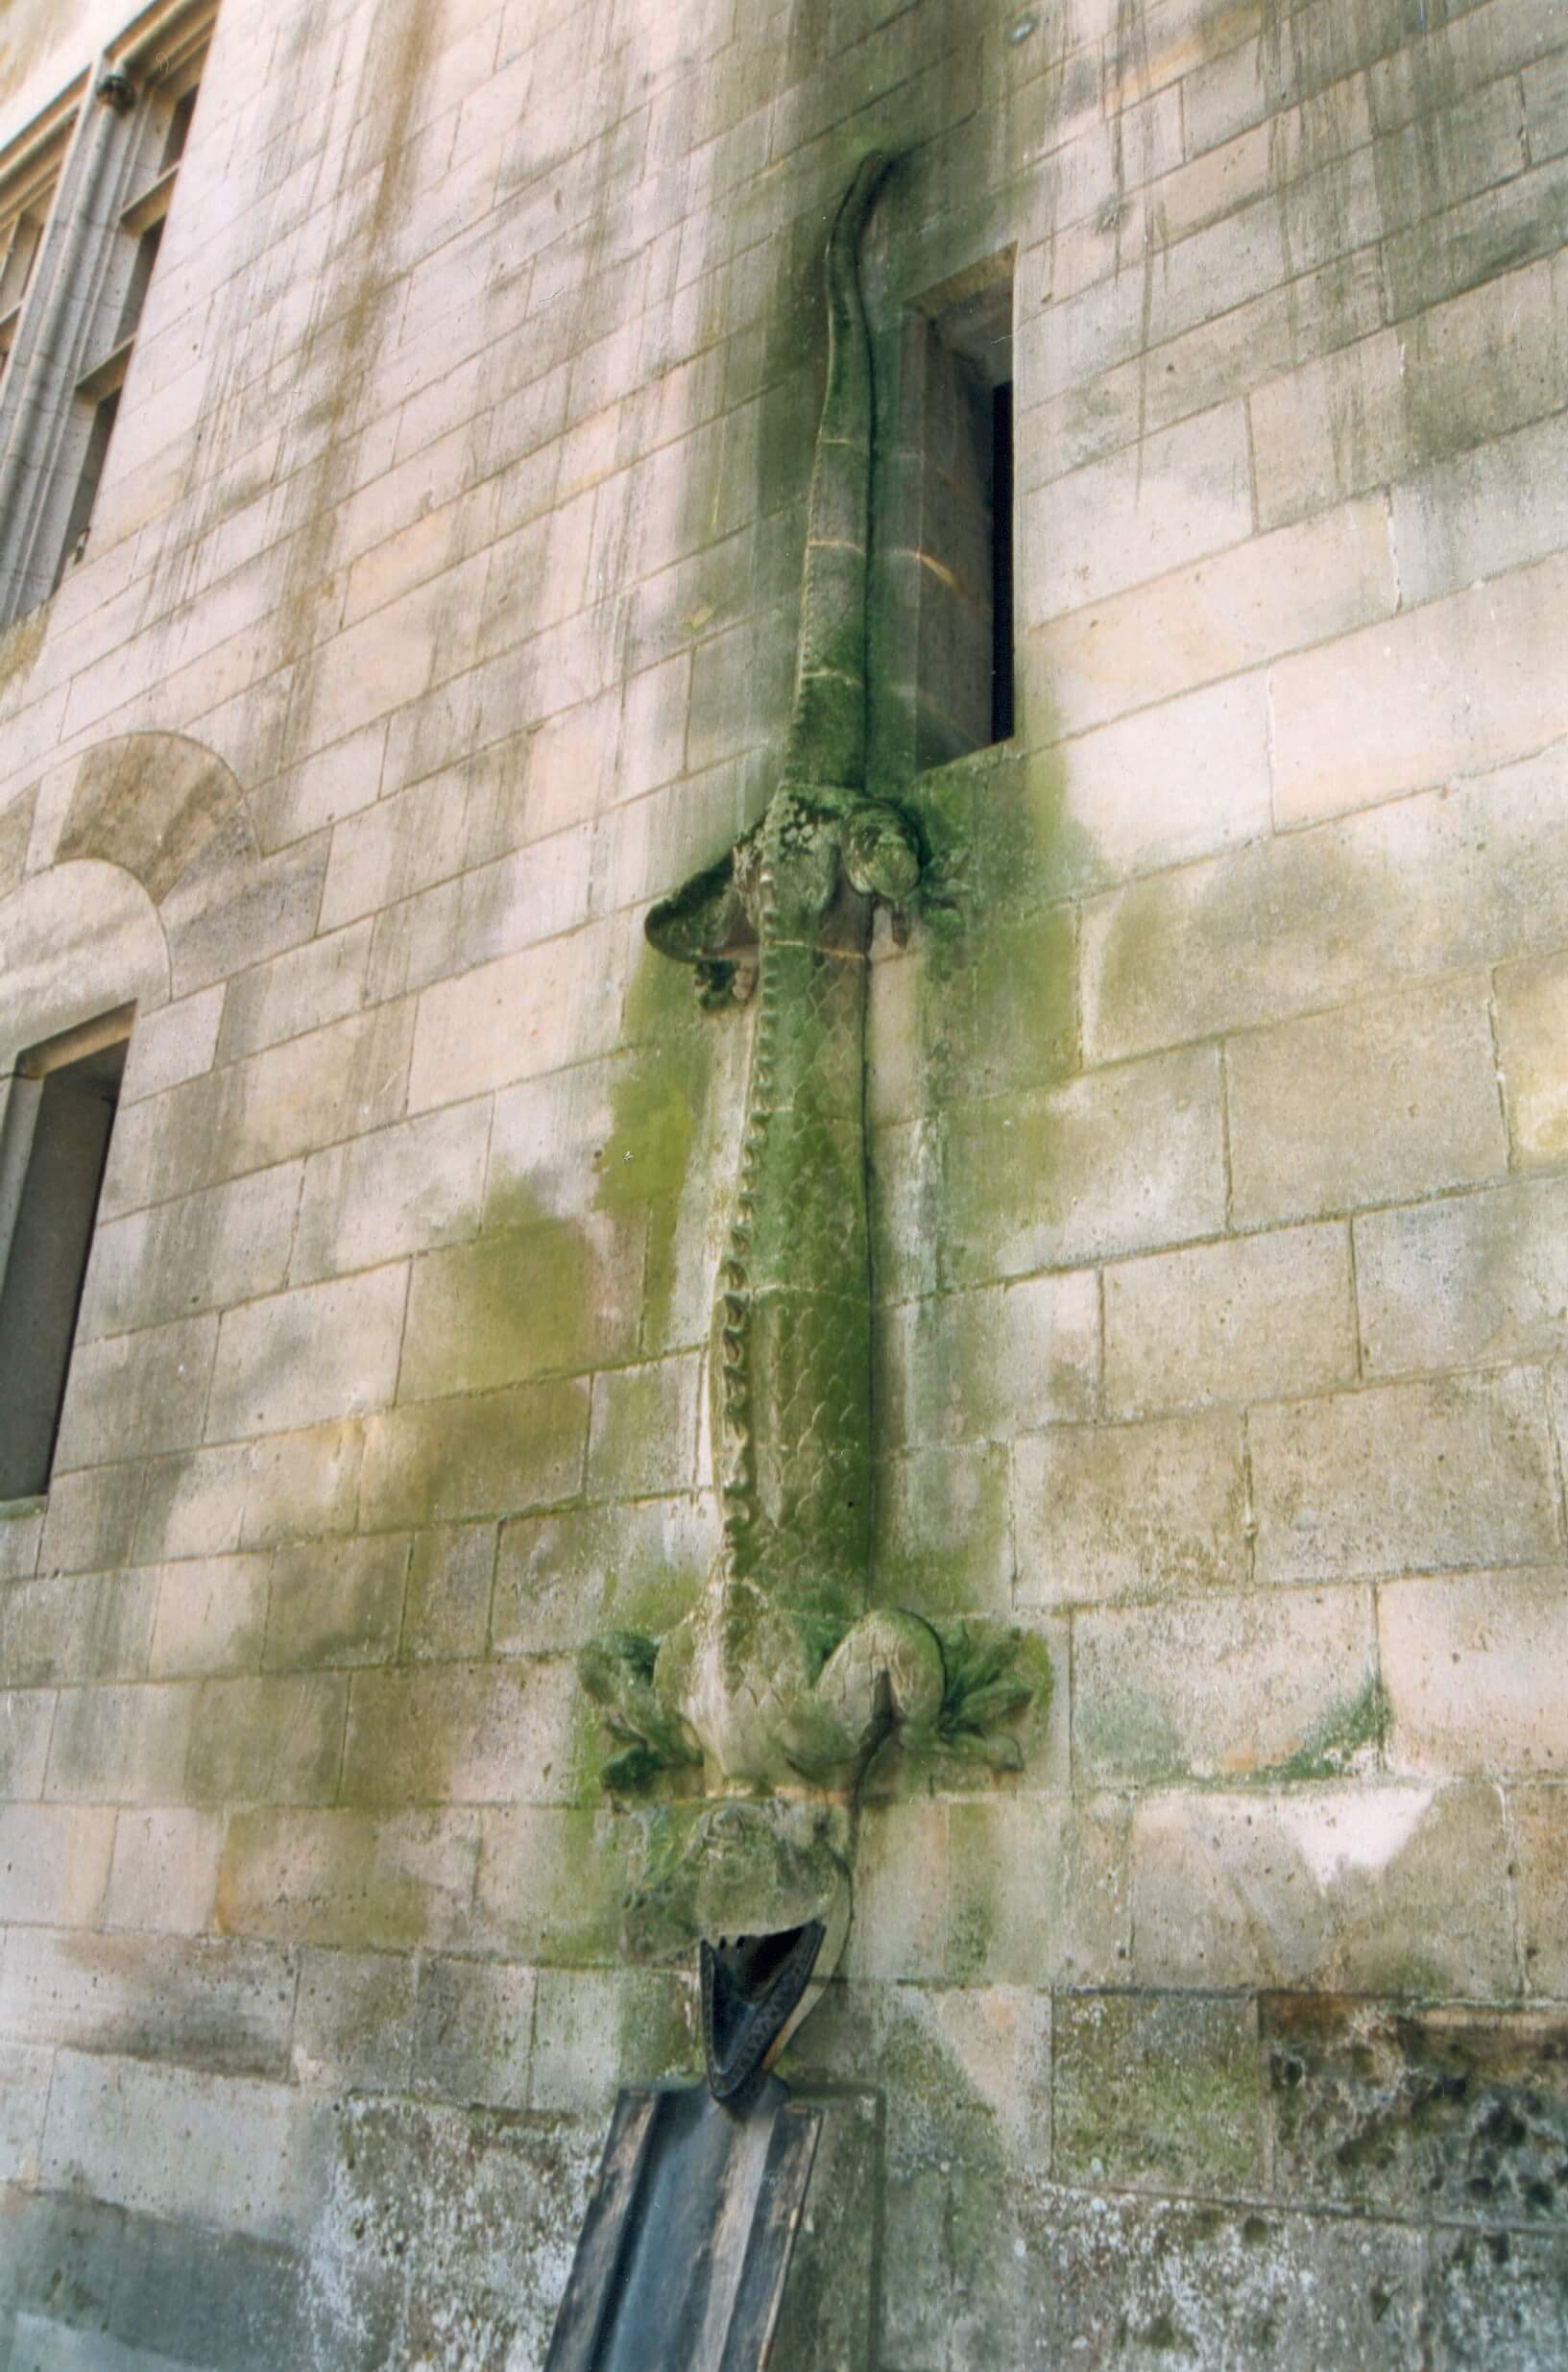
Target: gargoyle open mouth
(751, 1986)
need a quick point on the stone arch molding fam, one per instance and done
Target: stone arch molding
(130, 846)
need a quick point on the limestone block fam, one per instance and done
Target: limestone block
(353, 1072)
(21, 1530)
(901, 1877)
(1531, 1016)
(1157, 2093)
(510, 1307)
(297, 991)
(271, 1740)
(595, 2025)
(635, 1565)
(337, 1602)
(390, 850)
(26, 1717)
(643, 1434)
(232, 908)
(523, 1014)
(301, 1486)
(944, 1531)
(1224, 1687)
(1378, 1103)
(495, 1453)
(1110, 1511)
(1494, 2296)
(353, 2021)
(1228, 2284)
(446, 1609)
(203, 1251)
(1472, 1663)
(1119, 521)
(318, 790)
(223, 2007)
(1455, 2111)
(1249, 1318)
(120, 1745)
(203, 2149)
(25, 2072)
(473, 2031)
(357, 1880)
(54, 1863)
(1211, 620)
(1116, 1161)
(1416, 1477)
(978, 1365)
(172, 1045)
(1347, 1889)
(1469, 1280)
(1480, 238)
(461, 1733)
(1538, 1824)
(1426, 885)
(1450, 689)
(1037, 1892)
(321, 1351)
(164, 1873)
(85, 1628)
(138, 1394)
(1545, 87)
(1483, 512)
(192, 1505)
(517, 901)
(549, 1886)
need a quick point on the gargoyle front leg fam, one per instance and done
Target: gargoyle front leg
(885, 1674)
(617, 1670)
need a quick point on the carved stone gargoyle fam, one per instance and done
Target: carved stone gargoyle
(779, 1683)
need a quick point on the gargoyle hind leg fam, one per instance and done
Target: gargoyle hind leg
(886, 1674)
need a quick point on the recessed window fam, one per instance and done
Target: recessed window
(958, 445)
(53, 1149)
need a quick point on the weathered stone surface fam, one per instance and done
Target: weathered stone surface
(461, 1733)
(1464, 1281)
(944, 1530)
(87, 1627)
(274, 1740)
(53, 1862)
(1497, 2296)
(350, 1879)
(164, 1873)
(336, 1602)
(562, 1577)
(399, 1190)
(1375, 1105)
(447, 1459)
(1157, 2091)
(211, 1616)
(1539, 1817)
(1232, 1685)
(473, 2034)
(224, 2006)
(205, 1251)
(1037, 1892)
(447, 1606)
(589, 2024)
(1419, 2111)
(353, 2021)
(138, 1394)
(1337, 1888)
(324, 1351)
(1405, 1478)
(971, 1366)
(1312, 919)
(121, 1745)
(1531, 1013)
(1471, 1663)
(1249, 1318)
(1108, 1511)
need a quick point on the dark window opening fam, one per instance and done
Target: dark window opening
(957, 516)
(58, 1124)
(93, 458)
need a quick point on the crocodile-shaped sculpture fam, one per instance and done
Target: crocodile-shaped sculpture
(779, 1683)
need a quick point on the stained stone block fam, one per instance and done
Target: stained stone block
(206, 1250)
(450, 1575)
(1498, 2297)
(164, 1873)
(642, 1438)
(224, 2006)
(25, 2070)
(277, 1739)
(461, 1733)
(1472, 1664)
(1108, 1511)
(54, 1863)
(196, 2148)
(1106, 2280)
(1464, 1281)
(1405, 1478)
(1418, 2112)
(596, 2029)
(353, 2021)
(1226, 1686)
(944, 1531)
(1157, 2091)
(211, 1616)
(1336, 1888)
(1246, 1319)
(121, 1745)
(976, 1366)
(337, 1602)
(398, 1189)
(1539, 1819)
(321, 1352)
(1117, 1161)
(137, 1396)
(354, 1880)
(1532, 1019)
(513, 1306)
(1038, 1891)
(473, 2034)
(92, 1627)
(562, 1577)
(447, 1459)
(25, 1719)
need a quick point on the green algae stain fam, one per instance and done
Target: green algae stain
(1350, 1737)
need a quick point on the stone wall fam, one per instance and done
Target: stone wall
(438, 614)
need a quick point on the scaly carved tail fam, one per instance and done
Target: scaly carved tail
(827, 727)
